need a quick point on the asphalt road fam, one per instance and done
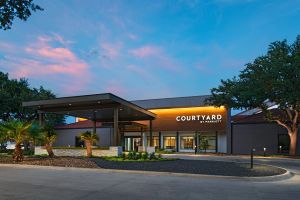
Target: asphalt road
(64, 183)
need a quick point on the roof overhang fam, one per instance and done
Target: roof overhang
(99, 107)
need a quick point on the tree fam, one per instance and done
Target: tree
(89, 138)
(271, 79)
(17, 131)
(204, 143)
(13, 92)
(48, 136)
(22, 9)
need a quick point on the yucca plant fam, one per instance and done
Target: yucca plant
(18, 132)
(89, 139)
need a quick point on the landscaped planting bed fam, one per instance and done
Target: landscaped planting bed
(55, 161)
(158, 165)
(193, 167)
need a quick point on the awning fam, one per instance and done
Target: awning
(99, 107)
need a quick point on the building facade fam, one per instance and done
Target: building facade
(183, 124)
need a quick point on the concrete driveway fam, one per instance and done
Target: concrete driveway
(24, 183)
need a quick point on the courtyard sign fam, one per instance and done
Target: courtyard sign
(207, 118)
(201, 118)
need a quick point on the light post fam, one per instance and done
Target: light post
(280, 149)
(251, 158)
(265, 149)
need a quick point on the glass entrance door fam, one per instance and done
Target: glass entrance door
(132, 143)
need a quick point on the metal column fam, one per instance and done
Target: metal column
(116, 128)
(41, 118)
(151, 134)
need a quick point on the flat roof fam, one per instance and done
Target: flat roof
(98, 106)
(173, 102)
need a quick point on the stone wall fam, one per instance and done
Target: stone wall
(112, 151)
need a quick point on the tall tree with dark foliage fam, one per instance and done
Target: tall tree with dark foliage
(10, 9)
(272, 78)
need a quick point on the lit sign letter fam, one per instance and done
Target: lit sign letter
(178, 118)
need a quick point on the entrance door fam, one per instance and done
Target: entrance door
(132, 143)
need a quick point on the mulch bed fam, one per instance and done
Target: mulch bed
(56, 161)
(194, 167)
(177, 166)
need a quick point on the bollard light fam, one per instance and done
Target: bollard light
(251, 157)
(280, 148)
(265, 149)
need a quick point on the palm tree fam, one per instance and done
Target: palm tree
(89, 138)
(17, 131)
(44, 135)
(48, 137)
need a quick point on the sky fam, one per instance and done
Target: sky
(143, 49)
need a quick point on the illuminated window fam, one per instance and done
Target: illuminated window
(169, 142)
(155, 141)
(186, 142)
(207, 142)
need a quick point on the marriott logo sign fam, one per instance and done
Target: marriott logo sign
(201, 118)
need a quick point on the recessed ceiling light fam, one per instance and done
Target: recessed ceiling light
(70, 104)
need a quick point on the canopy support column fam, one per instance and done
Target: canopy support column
(151, 134)
(41, 118)
(94, 122)
(116, 128)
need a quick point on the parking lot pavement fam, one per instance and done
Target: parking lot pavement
(69, 183)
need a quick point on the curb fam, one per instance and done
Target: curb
(285, 176)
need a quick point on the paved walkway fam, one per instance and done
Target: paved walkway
(24, 183)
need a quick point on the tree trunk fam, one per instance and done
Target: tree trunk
(88, 148)
(49, 150)
(18, 154)
(293, 142)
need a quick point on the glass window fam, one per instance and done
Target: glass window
(169, 142)
(186, 142)
(155, 141)
(207, 142)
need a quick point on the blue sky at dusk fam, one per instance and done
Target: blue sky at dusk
(143, 49)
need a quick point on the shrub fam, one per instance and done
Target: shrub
(145, 156)
(130, 155)
(152, 156)
(159, 156)
(123, 156)
(139, 155)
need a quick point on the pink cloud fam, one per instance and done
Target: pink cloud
(146, 51)
(111, 50)
(116, 87)
(156, 56)
(41, 60)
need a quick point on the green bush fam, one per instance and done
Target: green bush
(145, 156)
(139, 156)
(152, 156)
(123, 156)
(130, 155)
